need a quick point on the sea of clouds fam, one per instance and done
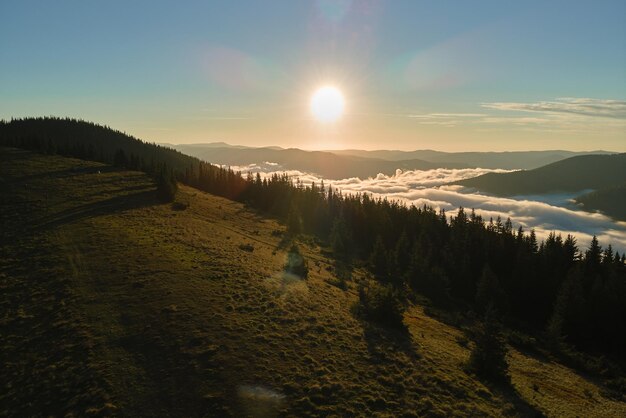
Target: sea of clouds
(543, 213)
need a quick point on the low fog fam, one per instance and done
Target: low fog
(544, 213)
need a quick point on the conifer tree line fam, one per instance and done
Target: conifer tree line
(574, 293)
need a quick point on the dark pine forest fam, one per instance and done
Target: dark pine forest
(564, 292)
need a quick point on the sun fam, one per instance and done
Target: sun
(327, 104)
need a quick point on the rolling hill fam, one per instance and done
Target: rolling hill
(570, 175)
(610, 201)
(324, 164)
(115, 304)
(337, 164)
(510, 160)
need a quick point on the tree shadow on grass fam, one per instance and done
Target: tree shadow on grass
(126, 189)
(383, 340)
(507, 391)
(343, 274)
(176, 376)
(10, 154)
(116, 204)
(285, 241)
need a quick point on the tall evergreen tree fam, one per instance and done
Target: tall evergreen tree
(569, 320)
(341, 239)
(166, 186)
(489, 294)
(488, 358)
(379, 260)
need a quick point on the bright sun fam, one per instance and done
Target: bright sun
(327, 104)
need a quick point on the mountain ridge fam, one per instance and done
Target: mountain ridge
(405, 159)
(570, 175)
(322, 163)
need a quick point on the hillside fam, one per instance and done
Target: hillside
(510, 160)
(610, 201)
(325, 164)
(114, 304)
(570, 175)
(87, 140)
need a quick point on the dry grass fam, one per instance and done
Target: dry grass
(153, 309)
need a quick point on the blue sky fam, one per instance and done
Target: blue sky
(450, 75)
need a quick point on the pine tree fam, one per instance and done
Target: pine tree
(593, 256)
(488, 358)
(341, 239)
(569, 319)
(532, 241)
(488, 292)
(166, 186)
(294, 221)
(401, 259)
(120, 159)
(607, 257)
(379, 260)
(570, 249)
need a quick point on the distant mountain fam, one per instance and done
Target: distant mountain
(223, 153)
(569, 175)
(610, 201)
(525, 160)
(216, 145)
(324, 164)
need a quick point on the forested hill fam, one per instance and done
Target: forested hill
(90, 141)
(610, 200)
(569, 175)
(509, 160)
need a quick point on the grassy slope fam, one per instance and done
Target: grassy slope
(114, 304)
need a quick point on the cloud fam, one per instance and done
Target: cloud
(443, 119)
(416, 179)
(545, 213)
(569, 105)
(439, 122)
(444, 115)
(562, 115)
(515, 121)
(264, 167)
(200, 118)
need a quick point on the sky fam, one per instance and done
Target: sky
(446, 75)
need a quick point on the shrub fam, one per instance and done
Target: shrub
(246, 247)
(180, 205)
(380, 303)
(296, 264)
